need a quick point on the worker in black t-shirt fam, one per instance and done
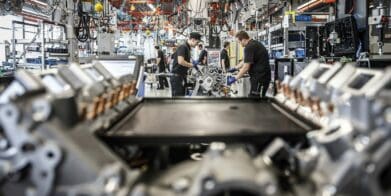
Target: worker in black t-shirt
(224, 58)
(182, 62)
(162, 67)
(256, 63)
(171, 59)
(203, 57)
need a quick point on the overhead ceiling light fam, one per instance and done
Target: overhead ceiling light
(30, 11)
(40, 2)
(152, 7)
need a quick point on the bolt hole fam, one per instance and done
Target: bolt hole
(9, 113)
(28, 147)
(50, 154)
(44, 174)
(332, 131)
(234, 107)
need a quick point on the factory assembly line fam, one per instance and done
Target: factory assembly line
(255, 98)
(111, 145)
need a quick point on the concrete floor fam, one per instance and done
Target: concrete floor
(151, 90)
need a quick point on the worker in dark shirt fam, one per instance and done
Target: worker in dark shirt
(171, 59)
(256, 63)
(203, 58)
(182, 63)
(224, 58)
(162, 68)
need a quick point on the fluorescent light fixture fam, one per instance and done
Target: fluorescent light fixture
(40, 2)
(152, 7)
(29, 11)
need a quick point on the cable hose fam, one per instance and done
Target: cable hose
(82, 31)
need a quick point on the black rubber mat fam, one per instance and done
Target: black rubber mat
(186, 119)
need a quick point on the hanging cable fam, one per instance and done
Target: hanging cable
(82, 30)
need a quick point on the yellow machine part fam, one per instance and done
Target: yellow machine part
(98, 7)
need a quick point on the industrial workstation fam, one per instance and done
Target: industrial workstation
(195, 97)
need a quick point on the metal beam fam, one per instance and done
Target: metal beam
(137, 13)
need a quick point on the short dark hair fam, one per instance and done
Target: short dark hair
(226, 44)
(157, 47)
(242, 35)
(195, 35)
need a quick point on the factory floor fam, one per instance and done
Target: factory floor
(150, 89)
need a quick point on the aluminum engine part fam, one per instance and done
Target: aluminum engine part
(223, 170)
(210, 82)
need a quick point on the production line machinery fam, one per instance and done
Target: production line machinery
(82, 131)
(209, 81)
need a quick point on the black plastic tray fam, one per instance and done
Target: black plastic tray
(203, 120)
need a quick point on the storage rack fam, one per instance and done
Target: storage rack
(279, 41)
(43, 37)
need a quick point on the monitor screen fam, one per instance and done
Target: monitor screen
(120, 68)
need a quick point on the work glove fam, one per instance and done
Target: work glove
(232, 70)
(195, 64)
(231, 80)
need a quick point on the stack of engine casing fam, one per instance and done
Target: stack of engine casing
(349, 155)
(47, 145)
(210, 81)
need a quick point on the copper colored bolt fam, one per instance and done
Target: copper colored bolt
(101, 104)
(301, 98)
(126, 90)
(317, 103)
(289, 91)
(93, 109)
(132, 88)
(284, 89)
(296, 95)
(110, 100)
(116, 96)
(121, 94)
(310, 103)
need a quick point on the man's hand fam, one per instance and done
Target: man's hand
(232, 70)
(231, 80)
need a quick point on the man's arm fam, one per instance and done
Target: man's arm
(240, 65)
(158, 61)
(247, 61)
(205, 58)
(183, 62)
(245, 67)
(160, 57)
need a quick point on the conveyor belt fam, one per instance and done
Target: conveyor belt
(202, 120)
